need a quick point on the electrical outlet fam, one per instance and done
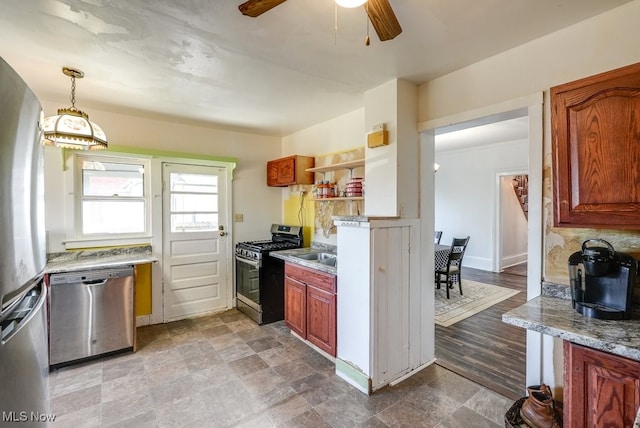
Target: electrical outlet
(238, 217)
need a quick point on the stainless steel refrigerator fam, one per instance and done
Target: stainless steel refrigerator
(24, 364)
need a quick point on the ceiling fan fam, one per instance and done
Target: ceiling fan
(380, 14)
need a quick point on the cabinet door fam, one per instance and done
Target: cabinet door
(602, 389)
(321, 319)
(287, 171)
(596, 150)
(295, 303)
(272, 173)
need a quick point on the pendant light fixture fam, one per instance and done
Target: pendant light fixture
(350, 3)
(71, 128)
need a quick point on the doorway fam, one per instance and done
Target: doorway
(531, 108)
(195, 272)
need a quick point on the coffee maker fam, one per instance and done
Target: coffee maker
(602, 281)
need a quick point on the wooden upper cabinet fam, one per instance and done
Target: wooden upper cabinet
(290, 170)
(596, 150)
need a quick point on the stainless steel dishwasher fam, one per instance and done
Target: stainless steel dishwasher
(90, 314)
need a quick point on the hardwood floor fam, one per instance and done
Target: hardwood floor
(484, 349)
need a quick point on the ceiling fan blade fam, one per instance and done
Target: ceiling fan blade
(254, 8)
(383, 19)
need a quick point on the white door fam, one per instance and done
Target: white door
(194, 240)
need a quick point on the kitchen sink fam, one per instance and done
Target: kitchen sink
(328, 259)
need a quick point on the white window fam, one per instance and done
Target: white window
(112, 197)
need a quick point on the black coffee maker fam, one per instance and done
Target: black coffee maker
(602, 281)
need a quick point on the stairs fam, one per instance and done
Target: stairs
(521, 188)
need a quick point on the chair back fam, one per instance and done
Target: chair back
(458, 247)
(437, 235)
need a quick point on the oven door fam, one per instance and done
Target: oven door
(248, 287)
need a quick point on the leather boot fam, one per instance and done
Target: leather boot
(543, 388)
(538, 411)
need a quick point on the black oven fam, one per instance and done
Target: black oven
(260, 278)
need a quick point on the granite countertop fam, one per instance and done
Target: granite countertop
(555, 317)
(290, 256)
(72, 261)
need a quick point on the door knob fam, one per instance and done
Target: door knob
(223, 233)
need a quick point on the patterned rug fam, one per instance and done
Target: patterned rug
(477, 297)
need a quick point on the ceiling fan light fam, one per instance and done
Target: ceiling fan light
(350, 3)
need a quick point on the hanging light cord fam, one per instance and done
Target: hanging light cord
(73, 92)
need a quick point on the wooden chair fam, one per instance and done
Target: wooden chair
(453, 270)
(437, 235)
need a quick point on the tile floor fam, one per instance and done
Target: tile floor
(225, 371)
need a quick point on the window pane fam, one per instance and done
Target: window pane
(198, 183)
(112, 179)
(112, 217)
(194, 222)
(194, 203)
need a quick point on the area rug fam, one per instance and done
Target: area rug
(477, 297)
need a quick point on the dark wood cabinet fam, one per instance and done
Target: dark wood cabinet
(596, 150)
(310, 306)
(295, 305)
(601, 389)
(290, 170)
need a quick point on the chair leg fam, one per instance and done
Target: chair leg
(460, 283)
(447, 285)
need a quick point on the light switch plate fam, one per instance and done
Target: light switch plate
(238, 217)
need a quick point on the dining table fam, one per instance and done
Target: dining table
(441, 256)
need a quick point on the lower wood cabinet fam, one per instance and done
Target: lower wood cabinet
(310, 306)
(295, 305)
(601, 389)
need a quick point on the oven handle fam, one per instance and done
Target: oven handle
(253, 263)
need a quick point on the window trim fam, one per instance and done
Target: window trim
(81, 240)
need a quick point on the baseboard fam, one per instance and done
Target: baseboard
(514, 260)
(411, 373)
(352, 376)
(481, 263)
(143, 320)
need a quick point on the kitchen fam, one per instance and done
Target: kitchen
(447, 96)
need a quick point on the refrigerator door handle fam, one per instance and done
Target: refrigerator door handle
(10, 302)
(24, 321)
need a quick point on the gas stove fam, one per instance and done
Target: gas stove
(282, 238)
(254, 250)
(259, 278)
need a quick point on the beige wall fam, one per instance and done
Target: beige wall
(602, 43)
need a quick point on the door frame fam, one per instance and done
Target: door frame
(157, 279)
(538, 348)
(499, 209)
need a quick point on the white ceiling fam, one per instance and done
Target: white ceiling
(201, 60)
(495, 130)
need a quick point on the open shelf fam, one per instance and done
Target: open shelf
(341, 198)
(333, 167)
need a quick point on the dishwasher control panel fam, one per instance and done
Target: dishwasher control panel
(89, 275)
